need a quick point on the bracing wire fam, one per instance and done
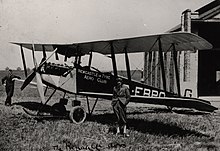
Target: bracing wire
(148, 51)
(156, 65)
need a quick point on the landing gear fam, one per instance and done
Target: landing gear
(77, 114)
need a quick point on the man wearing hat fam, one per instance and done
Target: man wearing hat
(120, 99)
(8, 82)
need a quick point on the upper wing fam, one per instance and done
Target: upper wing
(38, 47)
(183, 41)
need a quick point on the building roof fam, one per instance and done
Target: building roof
(207, 13)
(211, 6)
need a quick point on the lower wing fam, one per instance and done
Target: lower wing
(181, 102)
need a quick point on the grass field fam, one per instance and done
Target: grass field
(150, 128)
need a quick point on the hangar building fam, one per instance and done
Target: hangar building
(200, 70)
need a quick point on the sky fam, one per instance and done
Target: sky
(68, 21)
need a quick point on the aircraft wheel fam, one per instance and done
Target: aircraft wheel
(77, 114)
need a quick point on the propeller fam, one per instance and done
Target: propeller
(35, 73)
(29, 78)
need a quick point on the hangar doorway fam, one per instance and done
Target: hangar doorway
(209, 73)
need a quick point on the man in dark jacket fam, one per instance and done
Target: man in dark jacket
(8, 82)
(120, 99)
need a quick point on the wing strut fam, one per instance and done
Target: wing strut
(90, 59)
(23, 60)
(79, 60)
(162, 64)
(44, 52)
(65, 57)
(127, 66)
(56, 56)
(33, 55)
(176, 69)
(113, 60)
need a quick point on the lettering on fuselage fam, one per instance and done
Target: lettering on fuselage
(101, 81)
(89, 78)
(148, 92)
(95, 76)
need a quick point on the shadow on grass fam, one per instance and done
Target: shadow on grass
(144, 126)
(190, 112)
(152, 127)
(151, 110)
(165, 110)
(34, 106)
(177, 110)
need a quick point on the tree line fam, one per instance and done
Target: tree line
(18, 69)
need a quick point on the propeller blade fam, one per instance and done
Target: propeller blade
(28, 79)
(41, 64)
(40, 87)
(38, 76)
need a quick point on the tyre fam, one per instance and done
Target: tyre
(77, 114)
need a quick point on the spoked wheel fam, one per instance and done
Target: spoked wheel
(77, 114)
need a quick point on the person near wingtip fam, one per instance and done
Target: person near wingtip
(8, 82)
(120, 99)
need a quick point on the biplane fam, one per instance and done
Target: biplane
(91, 82)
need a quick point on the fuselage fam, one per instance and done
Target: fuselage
(83, 80)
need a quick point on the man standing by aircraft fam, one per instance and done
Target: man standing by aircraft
(8, 82)
(121, 97)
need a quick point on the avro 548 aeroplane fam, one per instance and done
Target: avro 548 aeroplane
(89, 81)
